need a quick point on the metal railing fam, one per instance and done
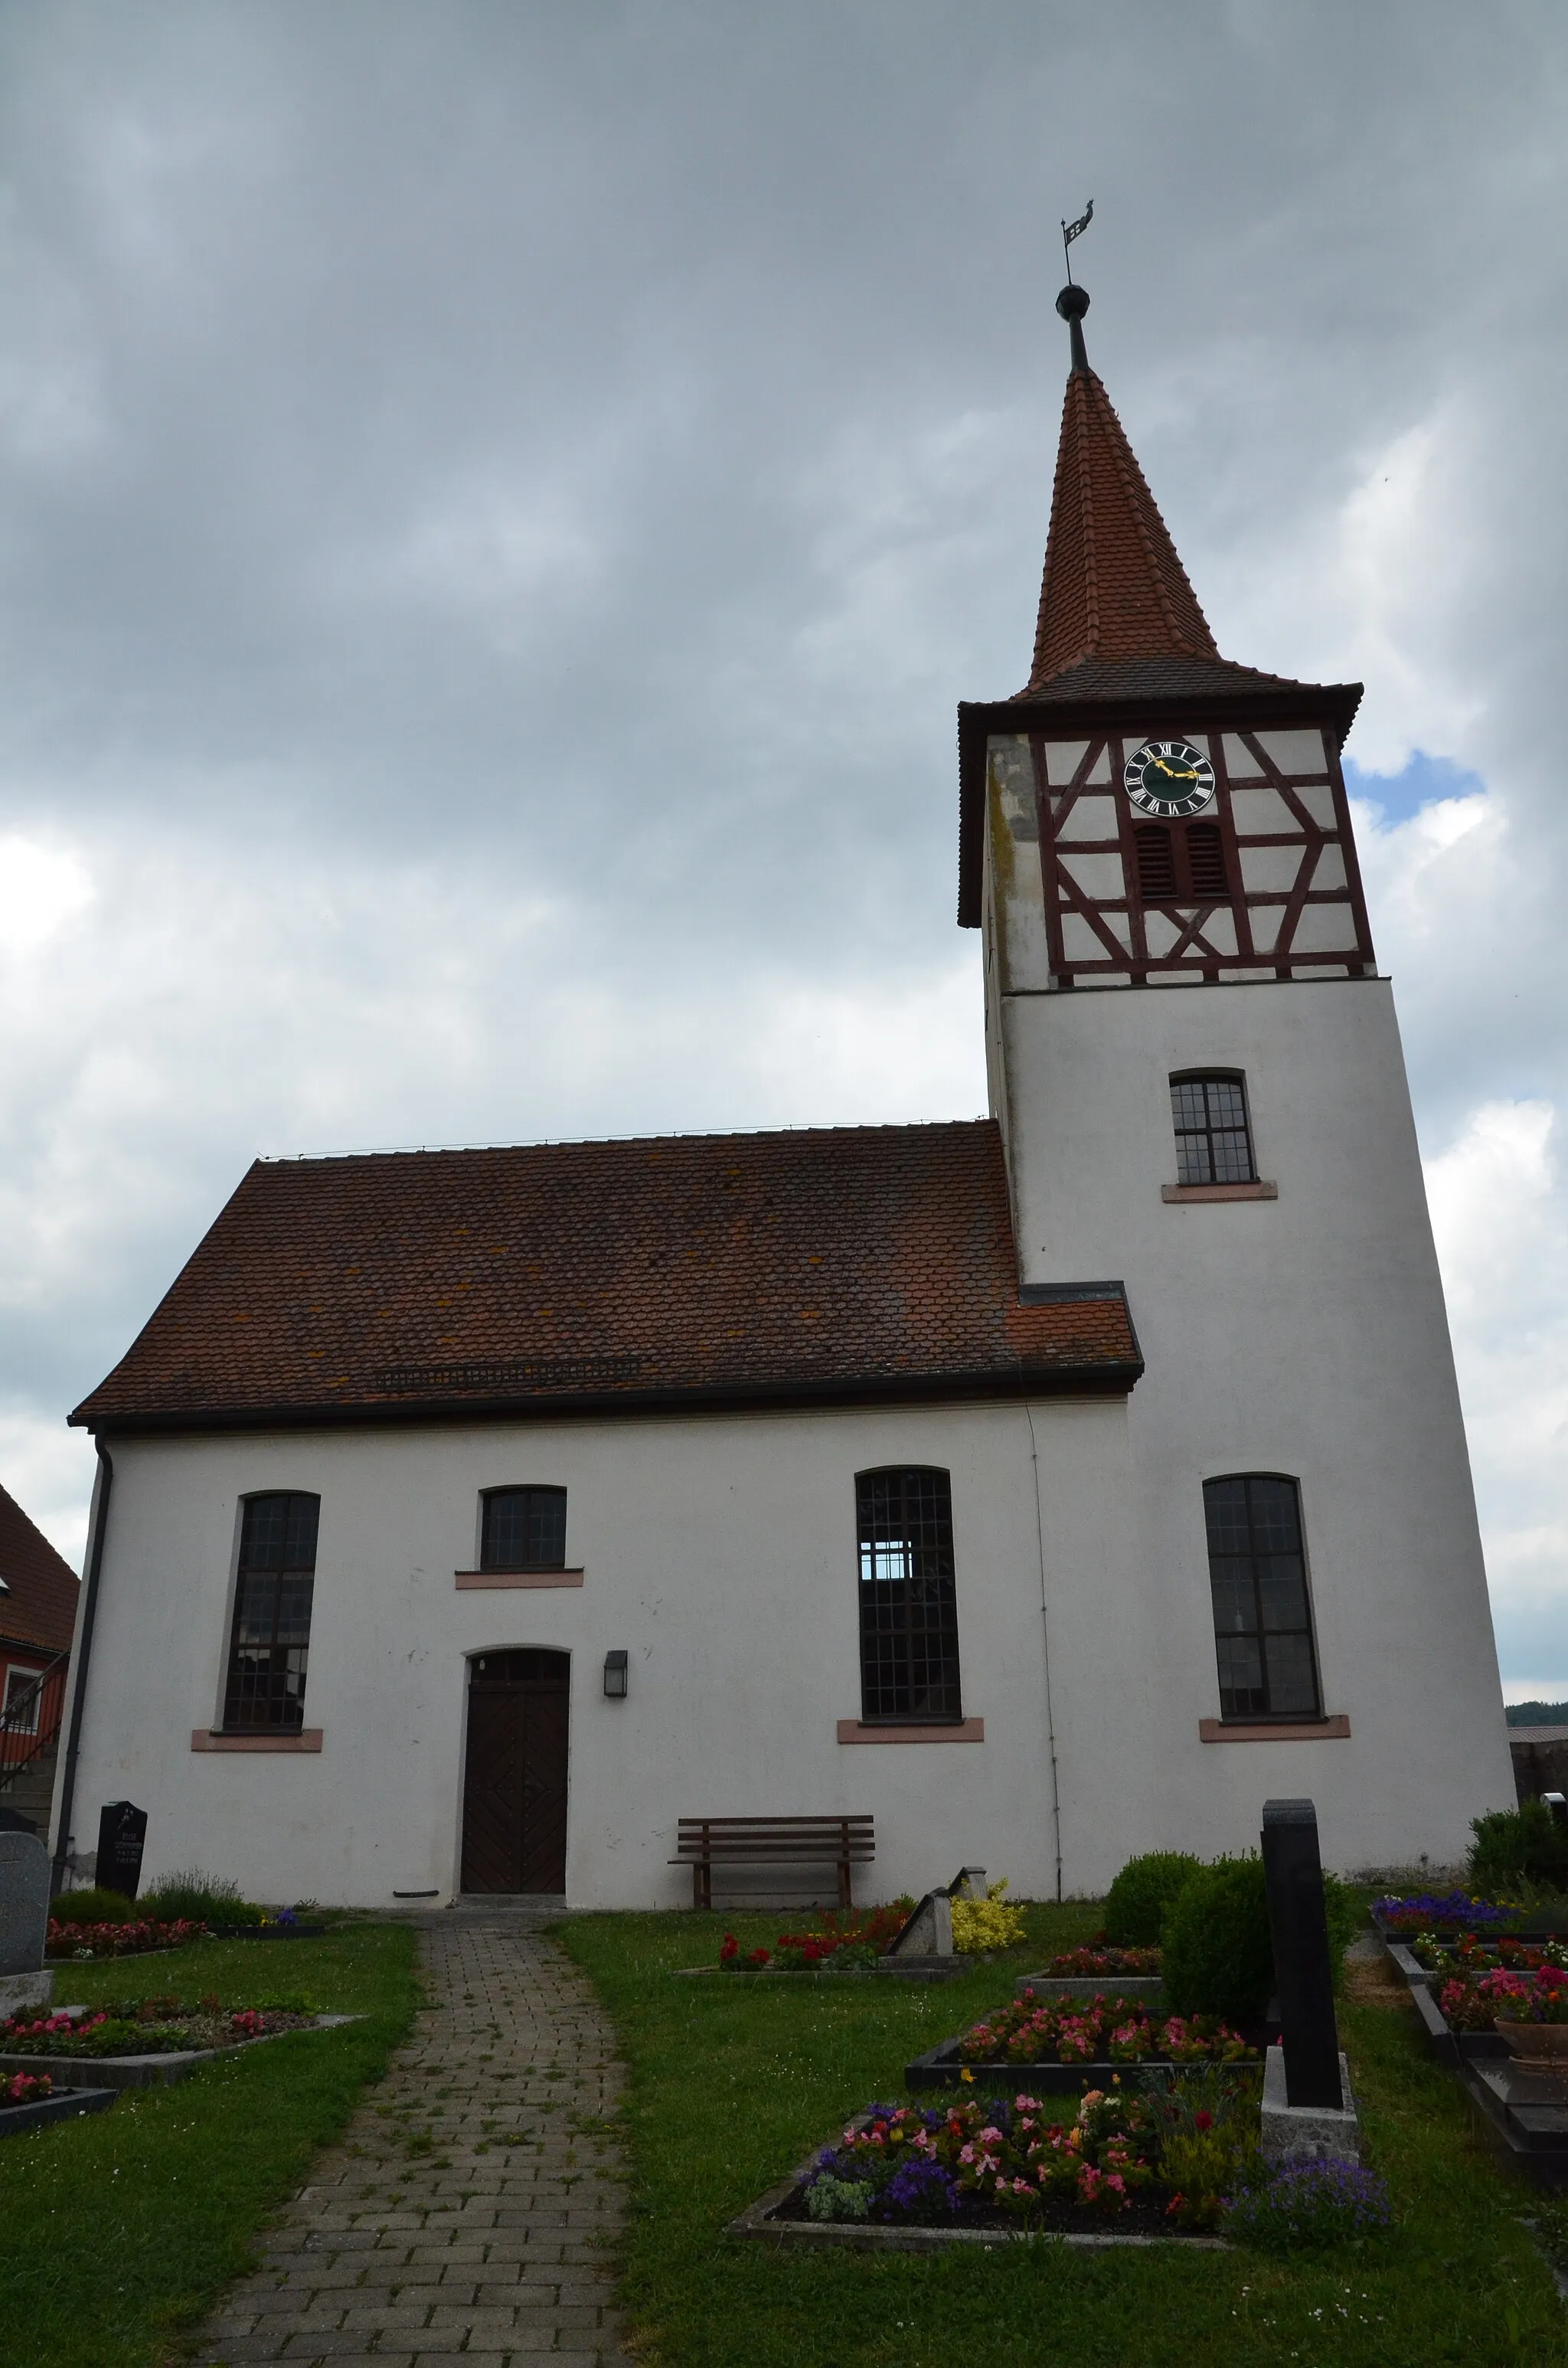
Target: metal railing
(29, 1722)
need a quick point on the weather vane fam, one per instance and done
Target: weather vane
(1070, 231)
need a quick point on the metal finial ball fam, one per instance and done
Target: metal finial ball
(1074, 301)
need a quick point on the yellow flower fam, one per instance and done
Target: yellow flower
(967, 2075)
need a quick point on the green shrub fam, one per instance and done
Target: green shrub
(1137, 1902)
(1518, 1846)
(200, 1898)
(94, 1907)
(1219, 1958)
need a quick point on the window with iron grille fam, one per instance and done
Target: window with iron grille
(909, 1628)
(271, 1641)
(1213, 1138)
(523, 1528)
(1257, 1575)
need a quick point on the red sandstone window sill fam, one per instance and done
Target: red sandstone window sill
(213, 1738)
(1219, 1191)
(964, 1730)
(517, 1578)
(1269, 1730)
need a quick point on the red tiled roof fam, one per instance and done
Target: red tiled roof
(39, 1605)
(1113, 587)
(858, 1262)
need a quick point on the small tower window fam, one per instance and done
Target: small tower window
(1258, 1575)
(1206, 860)
(909, 1628)
(1212, 1136)
(271, 1642)
(523, 1528)
(1156, 863)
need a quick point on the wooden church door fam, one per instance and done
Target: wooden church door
(515, 1783)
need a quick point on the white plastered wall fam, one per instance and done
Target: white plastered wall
(720, 1553)
(1304, 1335)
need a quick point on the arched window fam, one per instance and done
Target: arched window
(271, 1641)
(909, 1629)
(523, 1528)
(1257, 1575)
(1212, 1134)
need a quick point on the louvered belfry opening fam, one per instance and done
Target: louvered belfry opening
(1206, 860)
(1184, 865)
(1156, 863)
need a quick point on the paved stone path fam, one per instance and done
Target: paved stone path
(472, 2203)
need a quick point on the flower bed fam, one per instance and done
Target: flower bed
(82, 1941)
(1098, 2029)
(1455, 1911)
(160, 2026)
(1479, 2002)
(829, 1947)
(1464, 1955)
(1003, 2159)
(1099, 1960)
(28, 2100)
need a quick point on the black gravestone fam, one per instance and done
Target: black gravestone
(1303, 1968)
(122, 1838)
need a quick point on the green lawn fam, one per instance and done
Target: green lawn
(117, 2231)
(736, 2082)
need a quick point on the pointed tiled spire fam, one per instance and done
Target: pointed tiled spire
(1113, 588)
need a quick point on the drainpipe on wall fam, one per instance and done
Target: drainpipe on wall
(61, 1863)
(1045, 1647)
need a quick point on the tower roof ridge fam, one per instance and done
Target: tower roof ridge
(1113, 587)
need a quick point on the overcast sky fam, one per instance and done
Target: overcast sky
(499, 501)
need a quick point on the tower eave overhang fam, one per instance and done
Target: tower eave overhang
(1071, 710)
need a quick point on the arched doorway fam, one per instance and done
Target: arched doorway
(515, 1781)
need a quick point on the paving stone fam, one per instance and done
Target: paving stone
(406, 2253)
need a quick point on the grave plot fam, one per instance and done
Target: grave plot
(148, 2043)
(1492, 2000)
(29, 2100)
(1060, 2043)
(990, 2172)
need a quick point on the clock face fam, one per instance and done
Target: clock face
(1168, 777)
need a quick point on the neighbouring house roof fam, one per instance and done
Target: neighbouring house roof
(39, 1607)
(830, 1264)
(1119, 637)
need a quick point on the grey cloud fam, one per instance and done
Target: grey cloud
(498, 504)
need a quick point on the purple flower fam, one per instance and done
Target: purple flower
(1307, 2203)
(920, 2189)
(1456, 1908)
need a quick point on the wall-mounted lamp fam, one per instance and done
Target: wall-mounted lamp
(614, 1677)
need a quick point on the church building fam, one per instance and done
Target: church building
(1048, 1486)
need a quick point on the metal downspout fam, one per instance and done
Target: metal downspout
(1045, 1647)
(61, 1865)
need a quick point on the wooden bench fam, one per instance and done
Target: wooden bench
(703, 1843)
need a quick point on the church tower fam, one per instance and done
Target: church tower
(1196, 1068)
